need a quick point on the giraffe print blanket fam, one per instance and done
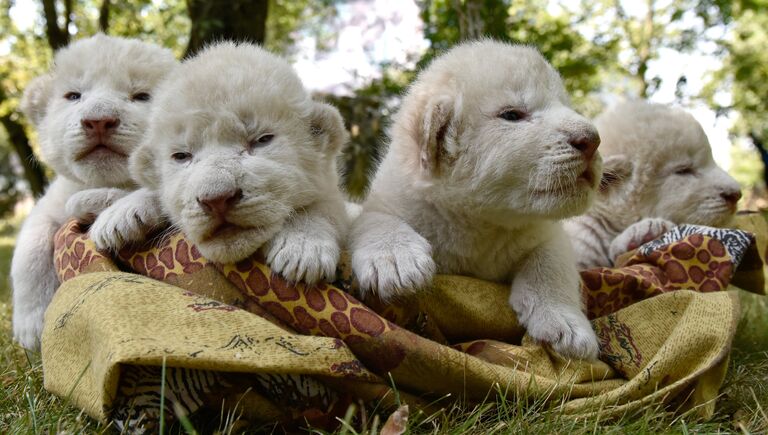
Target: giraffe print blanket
(157, 331)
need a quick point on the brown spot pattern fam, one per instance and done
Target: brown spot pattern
(697, 262)
(74, 253)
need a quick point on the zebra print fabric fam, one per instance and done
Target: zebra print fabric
(736, 242)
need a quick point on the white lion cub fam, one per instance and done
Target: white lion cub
(90, 112)
(240, 158)
(486, 156)
(658, 172)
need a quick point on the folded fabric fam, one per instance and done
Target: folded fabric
(687, 257)
(239, 335)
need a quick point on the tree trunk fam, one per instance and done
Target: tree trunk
(57, 37)
(33, 172)
(234, 20)
(644, 52)
(759, 143)
(104, 16)
(479, 18)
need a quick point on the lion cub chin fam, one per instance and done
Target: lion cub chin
(90, 112)
(486, 156)
(240, 158)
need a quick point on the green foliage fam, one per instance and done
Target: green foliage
(367, 115)
(290, 20)
(744, 78)
(580, 61)
(9, 191)
(165, 23)
(641, 32)
(447, 22)
(27, 55)
(745, 72)
(746, 167)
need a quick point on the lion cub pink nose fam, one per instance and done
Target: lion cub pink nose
(102, 127)
(219, 204)
(731, 197)
(586, 143)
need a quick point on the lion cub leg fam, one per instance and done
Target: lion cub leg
(33, 272)
(308, 247)
(546, 296)
(129, 220)
(388, 256)
(637, 234)
(86, 204)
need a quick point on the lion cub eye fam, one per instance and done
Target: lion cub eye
(141, 96)
(72, 96)
(688, 170)
(608, 180)
(512, 115)
(181, 157)
(261, 141)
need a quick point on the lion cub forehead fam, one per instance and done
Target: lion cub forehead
(228, 92)
(653, 132)
(112, 61)
(491, 71)
(241, 79)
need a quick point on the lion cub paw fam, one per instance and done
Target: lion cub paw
(127, 221)
(85, 205)
(637, 234)
(391, 269)
(28, 327)
(564, 328)
(302, 256)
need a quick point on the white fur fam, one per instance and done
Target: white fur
(107, 72)
(289, 205)
(462, 191)
(129, 220)
(638, 233)
(657, 166)
(85, 205)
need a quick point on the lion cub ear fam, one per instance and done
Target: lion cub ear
(617, 170)
(434, 130)
(144, 166)
(327, 128)
(36, 97)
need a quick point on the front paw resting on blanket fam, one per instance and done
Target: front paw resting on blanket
(304, 251)
(389, 258)
(563, 327)
(637, 234)
(127, 221)
(546, 296)
(85, 205)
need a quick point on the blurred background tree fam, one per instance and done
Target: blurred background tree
(740, 89)
(601, 48)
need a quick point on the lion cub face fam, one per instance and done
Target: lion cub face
(659, 164)
(235, 146)
(91, 110)
(503, 140)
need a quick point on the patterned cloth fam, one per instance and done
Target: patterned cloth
(243, 338)
(687, 257)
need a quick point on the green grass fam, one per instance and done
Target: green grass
(25, 406)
